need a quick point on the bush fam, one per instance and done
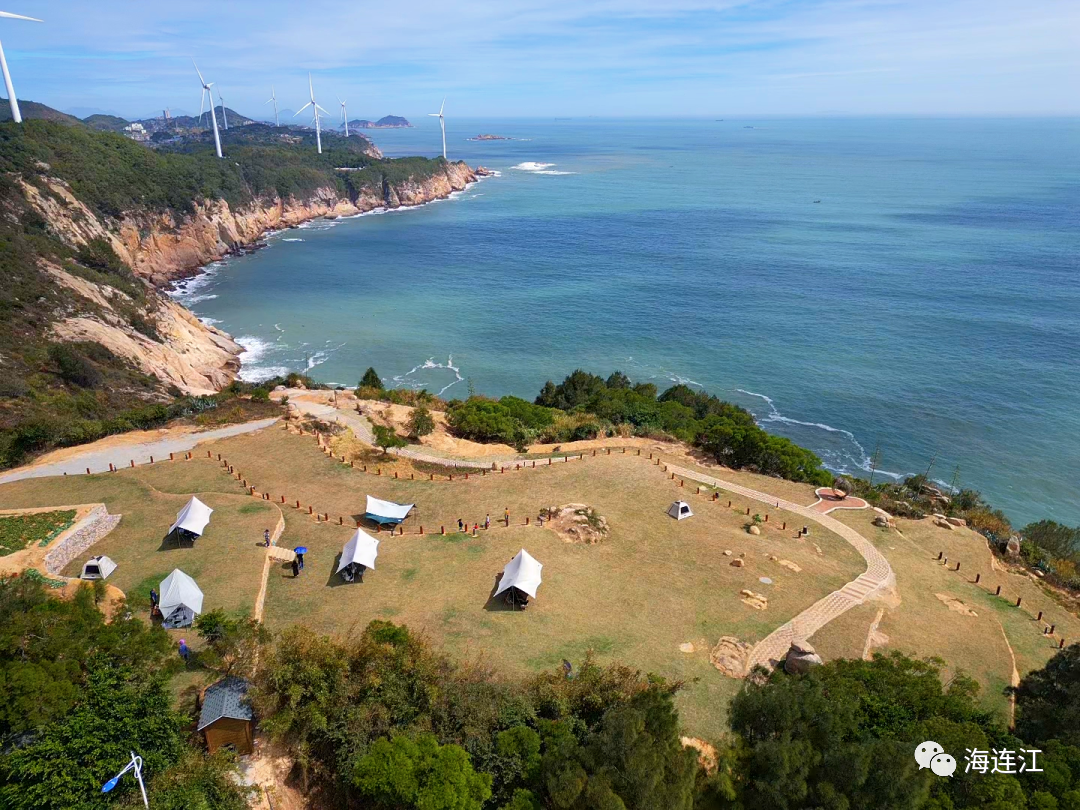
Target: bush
(421, 423)
(73, 367)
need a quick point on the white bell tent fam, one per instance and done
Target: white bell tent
(181, 600)
(192, 519)
(680, 510)
(383, 512)
(97, 568)
(522, 573)
(359, 554)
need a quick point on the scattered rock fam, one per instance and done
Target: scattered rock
(955, 604)
(577, 523)
(789, 564)
(737, 563)
(727, 552)
(801, 658)
(707, 757)
(937, 515)
(686, 647)
(955, 521)
(772, 558)
(882, 522)
(729, 656)
(944, 524)
(757, 601)
(752, 529)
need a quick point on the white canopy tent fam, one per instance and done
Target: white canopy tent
(192, 518)
(181, 600)
(386, 511)
(97, 568)
(680, 510)
(361, 550)
(523, 573)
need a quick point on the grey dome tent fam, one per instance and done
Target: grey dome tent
(181, 600)
(680, 510)
(97, 568)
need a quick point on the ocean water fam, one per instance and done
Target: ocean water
(911, 284)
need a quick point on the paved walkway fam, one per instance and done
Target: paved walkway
(878, 575)
(99, 459)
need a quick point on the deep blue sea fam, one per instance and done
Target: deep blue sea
(908, 283)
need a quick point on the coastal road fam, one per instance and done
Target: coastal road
(98, 459)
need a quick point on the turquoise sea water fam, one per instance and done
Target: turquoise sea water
(908, 282)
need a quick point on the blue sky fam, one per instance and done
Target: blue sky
(496, 58)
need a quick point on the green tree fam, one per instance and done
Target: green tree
(386, 438)
(420, 773)
(233, 643)
(195, 782)
(67, 762)
(1048, 700)
(1061, 541)
(371, 379)
(421, 422)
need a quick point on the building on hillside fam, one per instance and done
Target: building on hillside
(137, 132)
(226, 719)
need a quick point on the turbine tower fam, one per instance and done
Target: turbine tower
(224, 117)
(202, 104)
(273, 98)
(344, 117)
(442, 124)
(16, 116)
(315, 109)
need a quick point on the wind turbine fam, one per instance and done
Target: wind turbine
(16, 116)
(442, 124)
(315, 109)
(273, 98)
(344, 117)
(202, 103)
(135, 765)
(224, 117)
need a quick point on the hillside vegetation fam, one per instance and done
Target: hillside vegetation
(55, 393)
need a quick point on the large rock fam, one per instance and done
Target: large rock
(1012, 548)
(944, 524)
(737, 563)
(955, 521)
(801, 658)
(752, 529)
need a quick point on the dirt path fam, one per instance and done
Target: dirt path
(1014, 678)
(878, 575)
(97, 456)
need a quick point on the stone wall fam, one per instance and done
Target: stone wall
(92, 528)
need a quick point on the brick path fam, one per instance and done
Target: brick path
(878, 575)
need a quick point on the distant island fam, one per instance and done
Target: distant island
(491, 138)
(386, 122)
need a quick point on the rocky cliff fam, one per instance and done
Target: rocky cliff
(182, 351)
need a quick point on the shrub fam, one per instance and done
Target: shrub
(421, 422)
(73, 367)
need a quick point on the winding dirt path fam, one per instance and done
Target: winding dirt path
(879, 574)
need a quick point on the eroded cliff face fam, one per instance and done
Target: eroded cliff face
(194, 357)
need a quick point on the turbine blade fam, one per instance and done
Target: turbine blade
(434, 115)
(201, 79)
(302, 109)
(324, 110)
(442, 106)
(202, 103)
(11, 16)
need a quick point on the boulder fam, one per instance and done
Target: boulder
(881, 521)
(752, 529)
(737, 563)
(727, 552)
(1012, 548)
(801, 658)
(955, 521)
(943, 523)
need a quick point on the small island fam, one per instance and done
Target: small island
(386, 122)
(491, 138)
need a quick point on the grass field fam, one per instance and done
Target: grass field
(652, 587)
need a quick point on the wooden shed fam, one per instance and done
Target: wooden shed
(226, 719)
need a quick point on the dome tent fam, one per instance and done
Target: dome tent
(97, 568)
(680, 510)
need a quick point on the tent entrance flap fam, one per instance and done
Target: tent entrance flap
(383, 512)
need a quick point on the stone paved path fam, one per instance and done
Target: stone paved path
(98, 460)
(878, 575)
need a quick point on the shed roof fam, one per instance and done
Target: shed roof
(226, 698)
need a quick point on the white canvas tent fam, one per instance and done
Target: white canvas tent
(522, 573)
(192, 518)
(359, 554)
(680, 510)
(181, 600)
(386, 511)
(97, 568)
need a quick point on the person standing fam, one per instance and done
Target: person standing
(487, 522)
(185, 653)
(460, 525)
(153, 599)
(300, 559)
(295, 568)
(266, 538)
(506, 516)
